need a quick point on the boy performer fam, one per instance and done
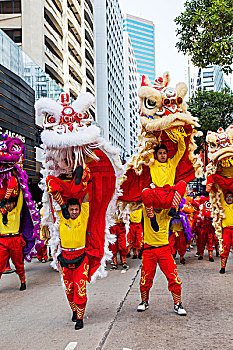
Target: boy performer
(135, 235)
(119, 245)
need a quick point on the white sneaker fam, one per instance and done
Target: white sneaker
(178, 309)
(143, 306)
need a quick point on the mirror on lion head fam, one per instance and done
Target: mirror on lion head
(158, 100)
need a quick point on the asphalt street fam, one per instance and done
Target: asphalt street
(40, 319)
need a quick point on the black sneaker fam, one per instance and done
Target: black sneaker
(78, 174)
(200, 258)
(154, 224)
(179, 310)
(222, 270)
(182, 261)
(79, 324)
(128, 255)
(23, 286)
(125, 267)
(114, 267)
(143, 306)
(211, 259)
(135, 257)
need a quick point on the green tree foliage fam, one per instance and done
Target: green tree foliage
(205, 32)
(213, 110)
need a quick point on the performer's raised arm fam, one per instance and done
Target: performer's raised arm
(180, 151)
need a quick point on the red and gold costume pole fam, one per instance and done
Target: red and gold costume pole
(157, 251)
(120, 243)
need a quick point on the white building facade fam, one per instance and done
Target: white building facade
(110, 72)
(58, 35)
(131, 101)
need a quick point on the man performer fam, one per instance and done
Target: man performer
(180, 234)
(73, 260)
(227, 228)
(163, 194)
(11, 241)
(135, 234)
(157, 251)
(119, 245)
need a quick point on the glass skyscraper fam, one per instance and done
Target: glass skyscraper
(142, 36)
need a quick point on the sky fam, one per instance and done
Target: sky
(162, 13)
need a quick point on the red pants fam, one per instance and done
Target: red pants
(227, 235)
(42, 252)
(120, 244)
(178, 243)
(75, 281)
(135, 236)
(205, 237)
(68, 189)
(12, 247)
(163, 257)
(162, 197)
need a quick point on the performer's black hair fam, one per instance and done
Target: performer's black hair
(162, 146)
(12, 199)
(228, 192)
(73, 201)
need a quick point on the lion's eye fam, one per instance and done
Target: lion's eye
(150, 103)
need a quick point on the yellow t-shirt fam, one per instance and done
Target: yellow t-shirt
(164, 173)
(73, 232)
(228, 212)
(13, 217)
(159, 238)
(136, 216)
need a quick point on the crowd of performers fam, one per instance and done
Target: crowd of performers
(87, 216)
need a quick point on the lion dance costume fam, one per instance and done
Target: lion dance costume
(77, 161)
(219, 175)
(19, 229)
(164, 120)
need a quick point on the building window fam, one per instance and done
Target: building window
(14, 34)
(10, 6)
